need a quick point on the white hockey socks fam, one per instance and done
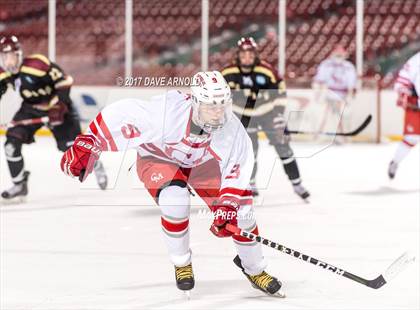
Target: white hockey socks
(249, 252)
(174, 202)
(404, 147)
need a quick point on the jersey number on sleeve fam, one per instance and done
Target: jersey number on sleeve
(235, 172)
(55, 74)
(130, 131)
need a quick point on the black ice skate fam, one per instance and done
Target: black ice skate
(184, 277)
(100, 174)
(18, 189)
(392, 169)
(301, 191)
(263, 281)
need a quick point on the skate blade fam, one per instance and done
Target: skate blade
(305, 199)
(279, 294)
(187, 295)
(103, 185)
(13, 201)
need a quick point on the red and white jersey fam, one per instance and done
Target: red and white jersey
(339, 76)
(409, 76)
(161, 128)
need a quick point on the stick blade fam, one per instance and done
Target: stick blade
(359, 129)
(364, 125)
(393, 270)
(398, 265)
(377, 283)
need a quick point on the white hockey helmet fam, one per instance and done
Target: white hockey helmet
(212, 100)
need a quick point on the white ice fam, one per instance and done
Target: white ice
(75, 247)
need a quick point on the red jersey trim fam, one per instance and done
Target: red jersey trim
(106, 132)
(195, 145)
(404, 82)
(151, 148)
(95, 132)
(35, 65)
(217, 157)
(235, 191)
(408, 143)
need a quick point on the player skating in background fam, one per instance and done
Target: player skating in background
(257, 90)
(184, 141)
(45, 90)
(407, 86)
(335, 85)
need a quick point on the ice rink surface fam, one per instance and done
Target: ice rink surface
(75, 247)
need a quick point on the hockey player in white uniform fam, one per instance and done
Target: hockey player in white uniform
(184, 141)
(335, 83)
(407, 85)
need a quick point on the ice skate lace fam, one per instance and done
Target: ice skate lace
(262, 280)
(183, 272)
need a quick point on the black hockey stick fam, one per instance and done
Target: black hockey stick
(396, 267)
(344, 134)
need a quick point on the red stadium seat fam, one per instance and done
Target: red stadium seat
(90, 34)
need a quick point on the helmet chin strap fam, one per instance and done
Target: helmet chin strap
(196, 128)
(200, 127)
(247, 68)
